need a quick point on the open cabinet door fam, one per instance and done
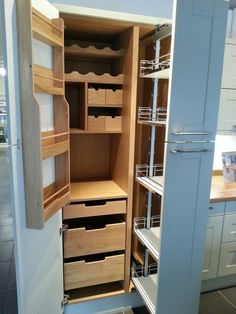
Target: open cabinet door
(39, 252)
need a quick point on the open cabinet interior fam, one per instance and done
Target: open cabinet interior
(101, 72)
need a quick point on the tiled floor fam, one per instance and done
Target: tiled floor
(217, 302)
(8, 298)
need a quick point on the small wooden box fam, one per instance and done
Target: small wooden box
(87, 210)
(81, 274)
(96, 97)
(113, 124)
(79, 241)
(114, 98)
(96, 123)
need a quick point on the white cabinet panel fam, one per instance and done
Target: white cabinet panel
(230, 207)
(195, 74)
(229, 229)
(229, 70)
(216, 209)
(227, 110)
(212, 247)
(187, 178)
(227, 265)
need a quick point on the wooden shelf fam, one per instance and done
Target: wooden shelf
(79, 131)
(95, 190)
(55, 149)
(76, 77)
(45, 82)
(46, 30)
(91, 52)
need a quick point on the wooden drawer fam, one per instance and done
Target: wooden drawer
(113, 124)
(94, 208)
(227, 264)
(96, 97)
(80, 241)
(229, 229)
(104, 123)
(114, 98)
(81, 274)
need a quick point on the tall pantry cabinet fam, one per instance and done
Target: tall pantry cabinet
(79, 115)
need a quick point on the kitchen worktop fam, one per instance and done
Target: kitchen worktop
(221, 191)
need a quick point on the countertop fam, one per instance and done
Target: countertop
(221, 191)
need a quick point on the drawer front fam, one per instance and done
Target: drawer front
(80, 242)
(96, 97)
(114, 98)
(216, 209)
(91, 209)
(96, 123)
(227, 110)
(229, 229)
(113, 124)
(229, 67)
(227, 265)
(81, 274)
(230, 207)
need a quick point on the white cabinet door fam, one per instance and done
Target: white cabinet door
(229, 229)
(227, 264)
(212, 247)
(229, 69)
(195, 76)
(187, 179)
(227, 110)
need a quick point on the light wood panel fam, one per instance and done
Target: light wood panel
(96, 190)
(93, 52)
(222, 191)
(81, 274)
(94, 78)
(122, 158)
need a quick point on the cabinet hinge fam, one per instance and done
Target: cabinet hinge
(65, 299)
(63, 228)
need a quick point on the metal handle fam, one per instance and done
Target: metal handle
(176, 151)
(190, 133)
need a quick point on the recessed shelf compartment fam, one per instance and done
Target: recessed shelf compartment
(88, 236)
(91, 77)
(94, 208)
(80, 274)
(48, 31)
(92, 52)
(156, 68)
(45, 82)
(146, 285)
(148, 116)
(95, 190)
(149, 235)
(104, 119)
(153, 183)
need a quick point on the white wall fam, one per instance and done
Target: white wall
(159, 8)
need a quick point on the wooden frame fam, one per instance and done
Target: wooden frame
(42, 202)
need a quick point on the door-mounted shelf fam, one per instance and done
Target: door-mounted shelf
(43, 201)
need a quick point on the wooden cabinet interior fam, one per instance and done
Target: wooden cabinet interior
(101, 69)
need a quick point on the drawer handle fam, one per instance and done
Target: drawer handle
(211, 207)
(176, 151)
(233, 232)
(190, 133)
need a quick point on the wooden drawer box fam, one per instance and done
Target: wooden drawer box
(94, 208)
(79, 241)
(114, 98)
(96, 97)
(104, 123)
(81, 274)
